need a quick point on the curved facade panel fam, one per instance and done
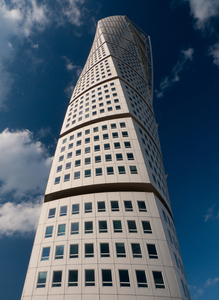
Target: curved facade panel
(106, 227)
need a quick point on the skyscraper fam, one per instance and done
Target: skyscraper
(106, 228)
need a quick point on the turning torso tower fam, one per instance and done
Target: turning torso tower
(106, 229)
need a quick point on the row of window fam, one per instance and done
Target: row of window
(106, 278)
(98, 172)
(88, 227)
(104, 251)
(101, 207)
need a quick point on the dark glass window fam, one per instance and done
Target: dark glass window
(146, 227)
(128, 205)
(130, 156)
(141, 278)
(87, 161)
(87, 173)
(109, 170)
(117, 145)
(75, 209)
(107, 278)
(136, 250)
(59, 252)
(152, 252)
(73, 251)
(114, 206)
(88, 227)
(102, 226)
(158, 280)
(113, 126)
(127, 144)
(63, 211)
(108, 157)
(41, 282)
(98, 171)
(97, 159)
(97, 148)
(89, 250)
(61, 229)
(57, 279)
(120, 250)
(101, 206)
(73, 278)
(88, 207)
(52, 213)
(141, 206)
(125, 134)
(119, 156)
(106, 146)
(132, 226)
(49, 231)
(104, 250)
(133, 170)
(124, 278)
(74, 228)
(89, 278)
(117, 225)
(45, 253)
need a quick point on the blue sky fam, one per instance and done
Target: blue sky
(43, 47)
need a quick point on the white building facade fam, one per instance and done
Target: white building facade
(106, 228)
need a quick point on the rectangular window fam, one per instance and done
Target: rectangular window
(107, 278)
(108, 157)
(70, 146)
(101, 206)
(41, 281)
(115, 135)
(98, 171)
(57, 279)
(158, 280)
(114, 205)
(141, 206)
(77, 175)
(78, 152)
(87, 173)
(66, 177)
(61, 158)
(89, 250)
(109, 170)
(136, 250)
(120, 250)
(78, 143)
(124, 278)
(132, 226)
(88, 227)
(113, 126)
(104, 250)
(88, 207)
(69, 155)
(61, 229)
(176, 259)
(96, 138)
(130, 156)
(97, 148)
(122, 125)
(68, 166)
(75, 209)
(45, 253)
(59, 169)
(117, 225)
(87, 150)
(77, 163)
(73, 251)
(152, 252)
(102, 226)
(87, 131)
(49, 231)
(89, 278)
(63, 211)
(146, 227)
(117, 145)
(59, 252)
(127, 144)
(125, 134)
(105, 136)
(119, 156)
(57, 180)
(106, 146)
(87, 161)
(87, 140)
(52, 213)
(141, 278)
(73, 278)
(133, 170)
(97, 159)
(128, 205)
(75, 228)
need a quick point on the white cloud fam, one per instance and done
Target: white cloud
(203, 11)
(19, 218)
(187, 55)
(24, 164)
(71, 11)
(196, 292)
(214, 51)
(211, 214)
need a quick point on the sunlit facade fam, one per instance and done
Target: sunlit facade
(106, 228)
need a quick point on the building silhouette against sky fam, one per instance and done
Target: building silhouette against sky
(106, 228)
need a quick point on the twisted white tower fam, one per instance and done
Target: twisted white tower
(106, 227)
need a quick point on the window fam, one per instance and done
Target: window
(64, 141)
(133, 170)
(77, 163)
(98, 171)
(158, 280)
(108, 157)
(125, 134)
(73, 251)
(105, 136)
(104, 250)
(117, 225)
(115, 135)
(68, 166)
(63, 211)
(89, 278)
(73, 278)
(132, 226)
(78, 143)
(87, 140)
(101, 206)
(146, 227)
(130, 156)
(59, 169)
(124, 278)
(87, 161)
(66, 177)
(52, 213)
(57, 278)
(79, 133)
(45, 253)
(176, 259)
(122, 125)
(41, 281)
(114, 206)
(74, 228)
(59, 252)
(120, 250)
(88, 207)
(119, 156)
(96, 138)
(87, 150)
(107, 278)
(109, 170)
(141, 206)
(57, 180)
(97, 159)
(117, 145)
(75, 209)
(141, 278)
(87, 131)
(128, 205)
(106, 146)
(88, 227)
(78, 152)
(113, 126)
(95, 129)
(152, 252)
(70, 146)
(89, 250)
(87, 173)
(136, 250)
(69, 155)
(61, 229)
(127, 144)
(77, 175)
(102, 226)
(97, 148)
(61, 158)
(49, 231)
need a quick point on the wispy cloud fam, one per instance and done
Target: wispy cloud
(19, 218)
(168, 81)
(214, 51)
(25, 164)
(212, 214)
(197, 292)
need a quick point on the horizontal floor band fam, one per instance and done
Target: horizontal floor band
(107, 188)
